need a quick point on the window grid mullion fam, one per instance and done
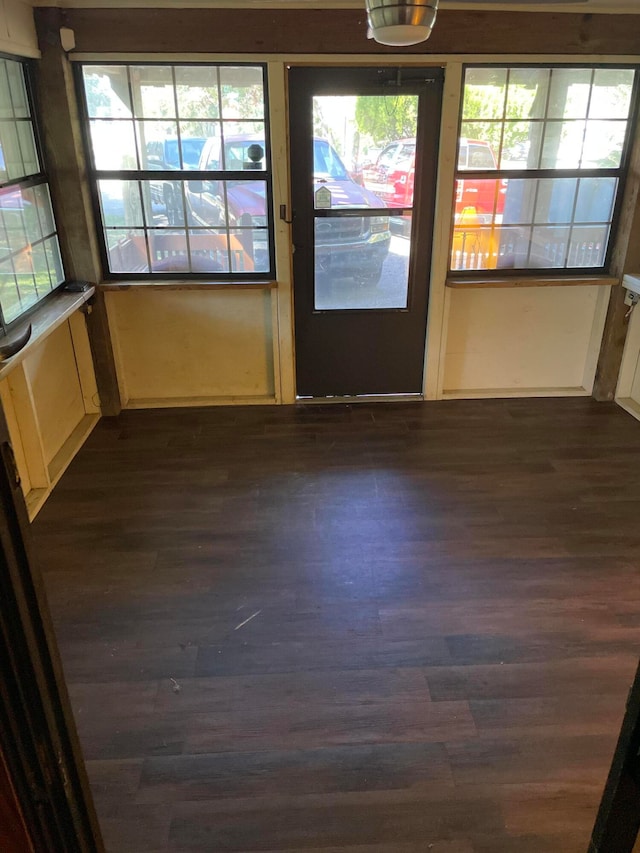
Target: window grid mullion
(159, 224)
(182, 167)
(593, 216)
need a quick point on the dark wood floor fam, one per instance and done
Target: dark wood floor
(367, 629)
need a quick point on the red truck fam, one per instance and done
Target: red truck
(391, 178)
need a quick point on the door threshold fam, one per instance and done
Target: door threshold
(362, 398)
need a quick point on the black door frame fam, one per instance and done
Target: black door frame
(618, 818)
(310, 325)
(38, 736)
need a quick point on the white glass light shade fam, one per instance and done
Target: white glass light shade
(401, 22)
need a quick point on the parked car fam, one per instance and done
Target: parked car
(392, 177)
(354, 247)
(168, 152)
(166, 155)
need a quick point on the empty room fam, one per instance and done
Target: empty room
(320, 393)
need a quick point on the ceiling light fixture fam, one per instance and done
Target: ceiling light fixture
(400, 22)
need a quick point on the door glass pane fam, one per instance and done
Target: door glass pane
(364, 151)
(377, 278)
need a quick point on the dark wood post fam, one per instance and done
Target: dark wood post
(62, 140)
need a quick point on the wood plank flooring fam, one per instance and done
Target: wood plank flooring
(378, 628)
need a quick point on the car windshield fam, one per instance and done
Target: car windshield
(480, 157)
(475, 156)
(326, 163)
(191, 150)
(238, 156)
(406, 154)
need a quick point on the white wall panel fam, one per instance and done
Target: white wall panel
(531, 339)
(188, 346)
(57, 395)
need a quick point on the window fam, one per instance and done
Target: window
(541, 159)
(180, 159)
(30, 265)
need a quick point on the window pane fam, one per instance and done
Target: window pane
(562, 145)
(161, 148)
(114, 144)
(480, 199)
(527, 96)
(9, 299)
(13, 230)
(479, 140)
(163, 203)
(548, 248)
(611, 95)
(603, 144)
(6, 107)
(244, 151)
(197, 89)
(249, 249)
(120, 203)
(555, 200)
(30, 163)
(45, 212)
(588, 246)
(11, 150)
(28, 295)
(595, 199)
(512, 247)
(193, 138)
(153, 92)
(570, 91)
(168, 251)
(234, 154)
(40, 270)
(519, 201)
(127, 250)
(521, 145)
(19, 101)
(107, 92)
(484, 93)
(215, 203)
(54, 261)
(209, 251)
(477, 247)
(13, 285)
(158, 144)
(30, 216)
(241, 92)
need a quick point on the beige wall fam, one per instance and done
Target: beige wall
(193, 347)
(17, 29)
(49, 398)
(530, 340)
(628, 390)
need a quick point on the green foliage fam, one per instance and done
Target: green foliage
(483, 102)
(387, 117)
(96, 94)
